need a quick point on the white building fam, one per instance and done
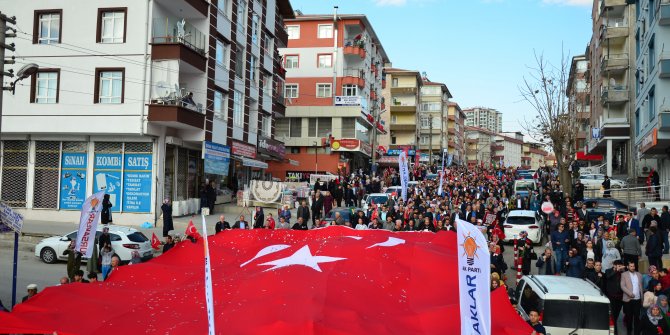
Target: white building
(110, 106)
(481, 117)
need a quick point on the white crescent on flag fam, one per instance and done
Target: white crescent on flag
(266, 251)
(391, 242)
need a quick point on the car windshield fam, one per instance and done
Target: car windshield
(137, 237)
(520, 220)
(377, 199)
(563, 314)
(525, 186)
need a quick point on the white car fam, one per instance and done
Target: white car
(595, 181)
(125, 240)
(377, 198)
(394, 191)
(523, 220)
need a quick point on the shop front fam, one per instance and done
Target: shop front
(271, 150)
(354, 154)
(244, 165)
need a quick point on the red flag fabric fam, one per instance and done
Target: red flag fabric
(155, 242)
(333, 280)
(191, 231)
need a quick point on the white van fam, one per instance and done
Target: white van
(524, 187)
(566, 305)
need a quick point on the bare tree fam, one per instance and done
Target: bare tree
(555, 123)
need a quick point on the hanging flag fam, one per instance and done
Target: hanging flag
(191, 231)
(441, 174)
(209, 296)
(474, 279)
(166, 295)
(155, 242)
(404, 173)
(88, 224)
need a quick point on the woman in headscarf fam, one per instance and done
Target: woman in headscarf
(496, 276)
(106, 212)
(259, 218)
(136, 257)
(662, 303)
(652, 323)
(650, 296)
(652, 273)
(610, 255)
(328, 202)
(167, 217)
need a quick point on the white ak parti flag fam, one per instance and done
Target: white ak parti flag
(474, 280)
(88, 224)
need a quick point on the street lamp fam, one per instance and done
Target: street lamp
(23, 73)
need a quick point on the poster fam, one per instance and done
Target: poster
(73, 180)
(217, 158)
(137, 183)
(10, 220)
(107, 177)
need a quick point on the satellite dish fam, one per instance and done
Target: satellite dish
(162, 89)
(27, 71)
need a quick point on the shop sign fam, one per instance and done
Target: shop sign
(243, 149)
(649, 141)
(346, 144)
(73, 180)
(366, 148)
(300, 175)
(271, 147)
(217, 158)
(396, 152)
(347, 100)
(137, 178)
(107, 177)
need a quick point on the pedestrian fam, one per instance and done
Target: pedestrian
(166, 208)
(114, 265)
(303, 212)
(546, 264)
(559, 240)
(286, 214)
(534, 322)
(328, 202)
(630, 247)
(631, 285)
(656, 183)
(203, 197)
(169, 243)
(574, 265)
(613, 290)
(106, 260)
(654, 246)
(497, 261)
(270, 222)
(135, 257)
(259, 217)
(79, 277)
(653, 322)
(92, 263)
(241, 223)
(92, 277)
(317, 208)
(664, 228)
(300, 225)
(211, 196)
(106, 212)
(610, 255)
(606, 184)
(31, 290)
(73, 260)
(221, 225)
(282, 223)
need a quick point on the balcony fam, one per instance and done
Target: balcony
(354, 47)
(614, 63)
(664, 68)
(614, 94)
(403, 90)
(177, 39)
(353, 76)
(612, 3)
(664, 14)
(267, 103)
(175, 114)
(403, 126)
(268, 62)
(282, 36)
(616, 28)
(195, 8)
(497, 147)
(223, 25)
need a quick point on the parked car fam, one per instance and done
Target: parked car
(125, 240)
(608, 207)
(377, 198)
(346, 212)
(595, 181)
(523, 220)
(567, 305)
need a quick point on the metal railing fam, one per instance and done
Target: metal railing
(634, 193)
(178, 97)
(172, 30)
(353, 72)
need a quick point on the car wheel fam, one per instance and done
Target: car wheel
(48, 255)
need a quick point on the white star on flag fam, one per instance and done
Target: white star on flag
(302, 257)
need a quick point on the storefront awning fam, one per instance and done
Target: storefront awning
(254, 163)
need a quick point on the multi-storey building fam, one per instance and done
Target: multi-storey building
(652, 88)
(333, 90)
(478, 146)
(402, 97)
(612, 77)
(456, 131)
(433, 134)
(128, 97)
(481, 117)
(533, 156)
(507, 149)
(579, 96)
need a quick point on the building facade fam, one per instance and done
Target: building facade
(129, 98)
(433, 132)
(611, 82)
(579, 96)
(456, 131)
(481, 117)
(507, 149)
(534, 156)
(478, 146)
(333, 93)
(652, 89)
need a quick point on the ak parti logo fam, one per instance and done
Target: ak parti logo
(94, 202)
(470, 248)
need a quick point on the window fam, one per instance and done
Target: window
(241, 16)
(325, 31)
(637, 122)
(291, 91)
(652, 11)
(349, 90)
(219, 107)
(291, 61)
(266, 126)
(652, 54)
(430, 106)
(221, 54)
(348, 127)
(424, 139)
(323, 90)
(295, 150)
(239, 62)
(254, 29)
(652, 103)
(295, 127)
(252, 70)
(238, 108)
(325, 60)
(319, 126)
(393, 140)
(425, 122)
(109, 85)
(47, 26)
(394, 119)
(222, 5)
(45, 86)
(394, 82)
(293, 32)
(111, 25)
(311, 127)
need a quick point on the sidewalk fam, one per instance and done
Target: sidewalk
(36, 230)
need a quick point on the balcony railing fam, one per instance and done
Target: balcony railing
(171, 30)
(176, 97)
(353, 72)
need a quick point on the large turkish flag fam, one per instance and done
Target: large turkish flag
(333, 280)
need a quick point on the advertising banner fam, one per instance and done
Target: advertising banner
(107, 177)
(243, 150)
(88, 224)
(73, 180)
(217, 158)
(10, 220)
(474, 280)
(404, 174)
(137, 183)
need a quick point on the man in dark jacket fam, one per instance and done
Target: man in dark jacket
(574, 266)
(497, 261)
(613, 290)
(654, 247)
(303, 212)
(665, 226)
(169, 243)
(559, 242)
(300, 225)
(221, 224)
(579, 191)
(607, 193)
(594, 273)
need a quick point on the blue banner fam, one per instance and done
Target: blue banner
(107, 177)
(137, 179)
(396, 152)
(217, 158)
(73, 180)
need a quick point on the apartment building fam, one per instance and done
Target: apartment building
(612, 78)
(534, 156)
(434, 133)
(478, 146)
(128, 99)
(578, 92)
(333, 91)
(456, 132)
(402, 97)
(482, 117)
(507, 149)
(652, 88)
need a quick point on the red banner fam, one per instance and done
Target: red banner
(325, 281)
